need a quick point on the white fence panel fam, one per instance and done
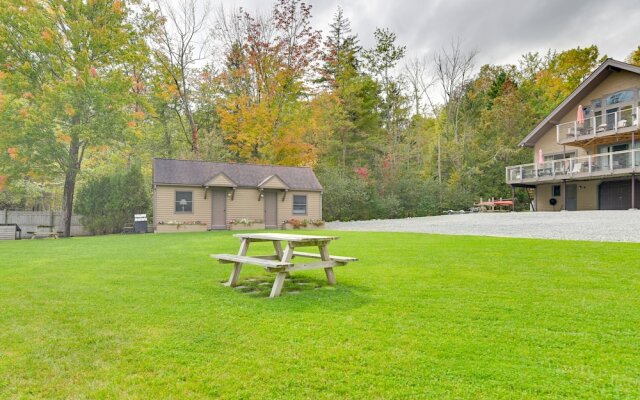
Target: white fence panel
(30, 220)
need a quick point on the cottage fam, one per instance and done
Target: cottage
(586, 153)
(199, 195)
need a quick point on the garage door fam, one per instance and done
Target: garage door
(616, 195)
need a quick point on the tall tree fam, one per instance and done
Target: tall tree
(180, 44)
(67, 69)
(381, 62)
(340, 58)
(634, 57)
(415, 72)
(269, 64)
(347, 110)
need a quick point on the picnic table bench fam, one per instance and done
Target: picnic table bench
(45, 231)
(280, 262)
(128, 228)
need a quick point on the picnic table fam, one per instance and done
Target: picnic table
(45, 231)
(280, 262)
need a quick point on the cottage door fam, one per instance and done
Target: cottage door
(218, 209)
(270, 209)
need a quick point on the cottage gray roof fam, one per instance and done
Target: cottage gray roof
(197, 173)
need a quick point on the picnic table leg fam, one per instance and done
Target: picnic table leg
(324, 254)
(237, 267)
(282, 275)
(278, 247)
(278, 283)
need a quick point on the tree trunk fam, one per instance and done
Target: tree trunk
(194, 129)
(439, 159)
(71, 173)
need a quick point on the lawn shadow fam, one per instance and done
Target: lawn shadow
(306, 291)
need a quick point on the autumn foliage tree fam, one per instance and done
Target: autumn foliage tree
(65, 69)
(268, 63)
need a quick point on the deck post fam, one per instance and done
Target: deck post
(633, 149)
(633, 191)
(564, 195)
(513, 198)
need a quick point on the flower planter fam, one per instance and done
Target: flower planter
(172, 228)
(246, 227)
(288, 226)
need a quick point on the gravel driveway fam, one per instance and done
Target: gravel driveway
(609, 226)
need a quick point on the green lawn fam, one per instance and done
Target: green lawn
(420, 316)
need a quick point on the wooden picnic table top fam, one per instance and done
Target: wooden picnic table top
(286, 237)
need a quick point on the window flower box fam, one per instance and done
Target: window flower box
(181, 226)
(295, 223)
(245, 224)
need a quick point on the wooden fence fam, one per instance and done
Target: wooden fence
(29, 221)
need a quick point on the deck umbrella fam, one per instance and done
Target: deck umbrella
(580, 116)
(540, 157)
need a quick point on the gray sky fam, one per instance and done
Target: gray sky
(501, 30)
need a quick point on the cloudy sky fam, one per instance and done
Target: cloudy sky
(501, 30)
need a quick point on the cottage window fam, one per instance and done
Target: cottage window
(300, 204)
(555, 191)
(184, 202)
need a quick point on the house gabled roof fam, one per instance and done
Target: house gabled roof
(273, 182)
(221, 179)
(199, 173)
(572, 101)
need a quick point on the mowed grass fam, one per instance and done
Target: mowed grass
(419, 316)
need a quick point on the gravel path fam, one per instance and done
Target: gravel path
(601, 226)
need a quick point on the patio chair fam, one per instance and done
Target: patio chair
(577, 168)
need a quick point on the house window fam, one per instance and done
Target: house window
(555, 191)
(300, 204)
(184, 202)
(559, 156)
(620, 97)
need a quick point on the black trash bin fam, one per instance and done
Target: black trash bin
(140, 223)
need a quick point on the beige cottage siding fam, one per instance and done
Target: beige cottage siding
(165, 205)
(314, 206)
(615, 82)
(245, 204)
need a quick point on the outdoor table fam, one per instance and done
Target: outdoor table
(280, 262)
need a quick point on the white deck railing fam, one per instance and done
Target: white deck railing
(618, 162)
(600, 125)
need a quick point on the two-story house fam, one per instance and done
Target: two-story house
(586, 154)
